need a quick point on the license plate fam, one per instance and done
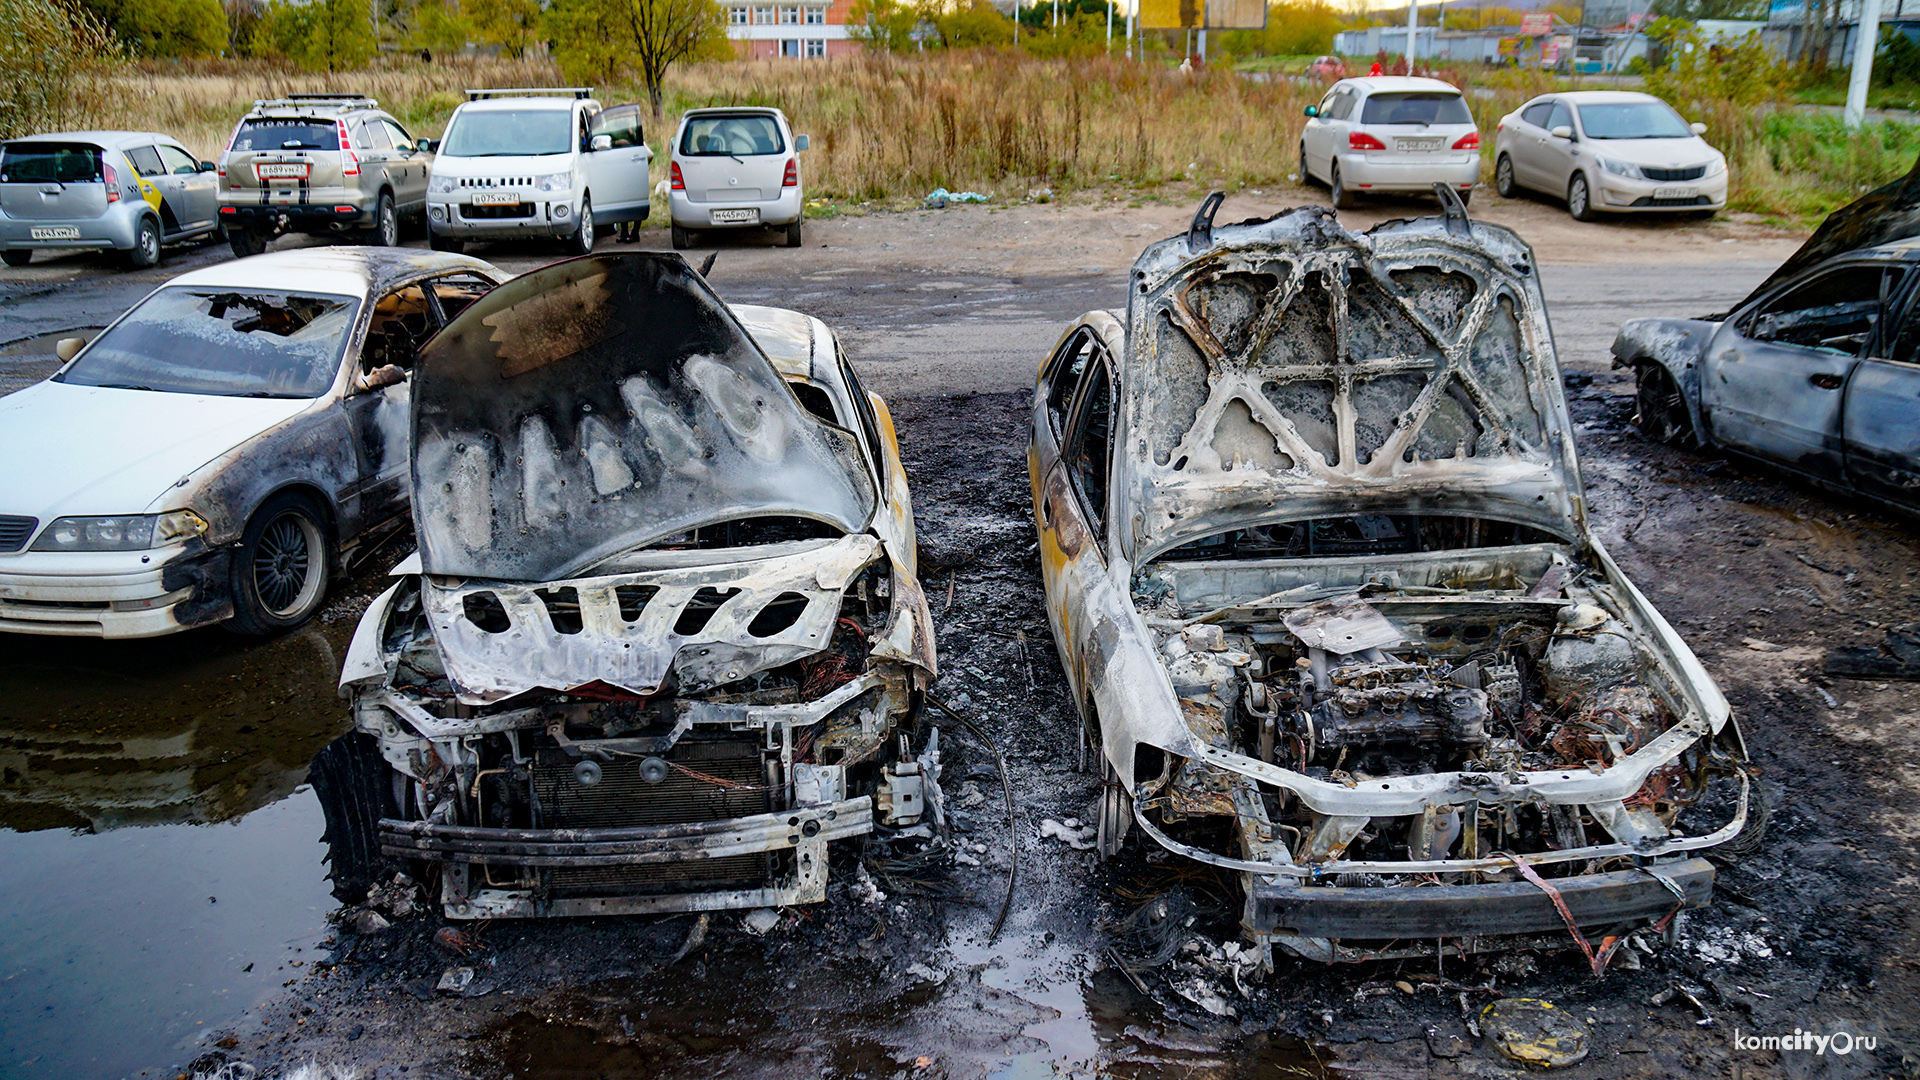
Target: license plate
(735, 217)
(495, 198)
(1675, 192)
(1418, 144)
(55, 232)
(283, 170)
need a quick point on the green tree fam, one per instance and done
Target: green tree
(54, 67)
(165, 27)
(321, 35)
(439, 27)
(513, 25)
(883, 25)
(596, 40)
(1293, 29)
(1695, 10)
(975, 25)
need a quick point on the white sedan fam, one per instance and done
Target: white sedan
(224, 448)
(1609, 151)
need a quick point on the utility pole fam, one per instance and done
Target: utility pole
(1413, 27)
(1109, 26)
(1866, 35)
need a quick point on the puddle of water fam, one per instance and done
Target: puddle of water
(149, 849)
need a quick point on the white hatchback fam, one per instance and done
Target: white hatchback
(1390, 133)
(735, 168)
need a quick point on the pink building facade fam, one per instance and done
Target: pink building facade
(790, 29)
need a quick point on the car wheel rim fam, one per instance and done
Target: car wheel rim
(149, 243)
(286, 565)
(586, 226)
(1505, 176)
(1579, 199)
(389, 227)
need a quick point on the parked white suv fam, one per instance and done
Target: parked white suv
(1390, 133)
(522, 164)
(735, 168)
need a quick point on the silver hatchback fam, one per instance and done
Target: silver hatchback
(128, 191)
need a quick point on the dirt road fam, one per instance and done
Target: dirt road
(947, 313)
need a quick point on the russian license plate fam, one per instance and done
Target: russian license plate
(1675, 192)
(736, 217)
(55, 232)
(282, 170)
(1418, 144)
(495, 198)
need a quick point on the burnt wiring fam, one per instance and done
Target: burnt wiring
(1006, 790)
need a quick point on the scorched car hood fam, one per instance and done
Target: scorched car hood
(603, 404)
(1288, 369)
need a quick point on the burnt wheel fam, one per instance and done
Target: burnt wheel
(355, 787)
(1116, 811)
(282, 568)
(1662, 409)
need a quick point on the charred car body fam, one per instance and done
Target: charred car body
(1817, 370)
(1319, 569)
(662, 640)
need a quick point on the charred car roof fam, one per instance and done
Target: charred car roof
(602, 404)
(339, 270)
(1291, 369)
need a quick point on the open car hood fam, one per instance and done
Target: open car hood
(603, 404)
(1881, 216)
(1288, 369)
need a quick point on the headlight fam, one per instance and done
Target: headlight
(440, 185)
(1716, 166)
(134, 532)
(559, 181)
(1620, 168)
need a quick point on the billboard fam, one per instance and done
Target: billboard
(1203, 14)
(1536, 24)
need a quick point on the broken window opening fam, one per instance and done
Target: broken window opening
(815, 400)
(1363, 534)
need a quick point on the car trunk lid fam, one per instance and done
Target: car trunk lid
(283, 156)
(1287, 369)
(56, 181)
(603, 404)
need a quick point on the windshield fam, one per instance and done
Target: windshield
(716, 136)
(1416, 107)
(514, 133)
(227, 342)
(1633, 120)
(49, 163)
(286, 133)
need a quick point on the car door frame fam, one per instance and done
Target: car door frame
(1879, 439)
(1767, 370)
(1527, 145)
(193, 197)
(1559, 158)
(611, 172)
(411, 163)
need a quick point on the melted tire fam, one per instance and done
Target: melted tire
(355, 787)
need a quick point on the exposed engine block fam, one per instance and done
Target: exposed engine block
(1381, 703)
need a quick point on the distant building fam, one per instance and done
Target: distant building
(1786, 26)
(796, 31)
(1601, 47)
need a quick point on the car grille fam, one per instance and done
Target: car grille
(622, 799)
(1697, 200)
(494, 213)
(14, 532)
(497, 182)
(1694, 172)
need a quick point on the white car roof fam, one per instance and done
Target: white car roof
(1375, 84)
(521, 104)
(1603, 97)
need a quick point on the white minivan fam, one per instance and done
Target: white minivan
(735, 168)
(521, 164)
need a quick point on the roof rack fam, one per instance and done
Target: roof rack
(531, 91)
(354, 101)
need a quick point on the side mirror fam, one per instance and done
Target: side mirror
(208, 166)
(427, 146)
(1698, 128)
(68, 348)
(1561, 132)
(800, 142)
(1313, 110)
(601, 142)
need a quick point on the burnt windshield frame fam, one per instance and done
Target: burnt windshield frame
(155, 347)
(1358, 534)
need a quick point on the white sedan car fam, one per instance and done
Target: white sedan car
(224, 448)
(1389, 133)
(1609, 151)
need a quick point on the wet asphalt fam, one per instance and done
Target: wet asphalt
(160, 875)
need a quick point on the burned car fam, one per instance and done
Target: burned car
(662, 641)
(1816, 371)
(1319, 569)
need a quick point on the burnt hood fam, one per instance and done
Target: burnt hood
(1881, 216)
(603, 404)
(1288, 369)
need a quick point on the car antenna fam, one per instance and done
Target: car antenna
(1200, 233)
(1455, 210)
(706, 264)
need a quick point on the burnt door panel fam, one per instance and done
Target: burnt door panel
(378, 414)
(1881, 436)
(1774, 380)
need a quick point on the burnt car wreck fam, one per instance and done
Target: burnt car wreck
(662, 641)
(1319, 568)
